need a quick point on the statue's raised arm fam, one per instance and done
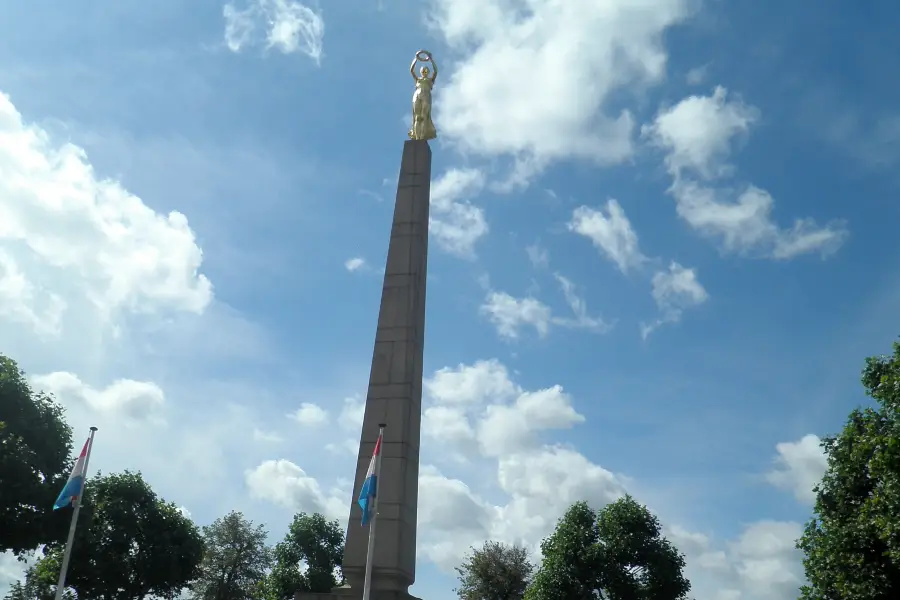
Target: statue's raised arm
(433, 64)
(412, 68)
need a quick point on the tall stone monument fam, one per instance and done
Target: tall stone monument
(395, 381)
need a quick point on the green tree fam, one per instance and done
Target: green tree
(618, 553)
(129, 545)
(852, 544)
(235, 559)
(35, 445)
(496, 571)
(36, 585)
(315, 543)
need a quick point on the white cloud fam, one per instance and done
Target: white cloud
(767, 560)
(77, 250)
(470, 384)
(611, 232)
(352, 413)
(349, 421)
(697, 135)
(762, 563)
(581, 319)
(11, 571)
(799, 467)
(510, 314)
(697, 75)
(674, 291)
(355, 264)
(510, 428)
(455, 223)
(41, 310)
(286, 484)
(286, 25)
(478, 412)
(538, 256)
(269, 437)
(743, 222)
(697, 132)
(310, 415)
(137, 402)
(536, 76)
(480, 402)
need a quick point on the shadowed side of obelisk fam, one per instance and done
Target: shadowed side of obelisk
(395, 392)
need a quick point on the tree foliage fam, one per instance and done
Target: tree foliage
(39, 584)
(35, 445)
(129, 544)
(618, 553)
(496, 571)
(852, 544)
(315, 542)
(235, 559)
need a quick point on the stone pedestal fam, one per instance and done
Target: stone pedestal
(395, 397)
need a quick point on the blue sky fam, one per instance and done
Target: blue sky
(677, 211)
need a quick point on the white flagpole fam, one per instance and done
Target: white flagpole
(61, 586)
(370, 552)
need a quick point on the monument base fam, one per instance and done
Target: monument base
(348, 593)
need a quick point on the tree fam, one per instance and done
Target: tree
(36, 585)
(495, 572)
(852, 543)
(312, 541)
(618, 553)
(235, 559)
(129, 544)
(35, 445)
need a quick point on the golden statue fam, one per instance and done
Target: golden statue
(422, 125)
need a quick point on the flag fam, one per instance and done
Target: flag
(75, 484)
(370, 485)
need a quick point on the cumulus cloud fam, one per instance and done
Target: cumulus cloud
(799, 467)
(285, 25)
(355, 264)
(455, 224)
(674, 290)
(137, 402)
(286, 484)
(349, 421)
(78, 248)
(508, 417)
(310, 415)
(510, 314)
(537, 77)
(611, 232)
(538, 255)
(697, 135)
(762, 563)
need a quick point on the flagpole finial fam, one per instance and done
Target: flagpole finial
(93, 429)
(382, 425)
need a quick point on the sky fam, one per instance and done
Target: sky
(659, 254)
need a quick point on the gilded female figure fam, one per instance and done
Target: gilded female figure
(422, 125)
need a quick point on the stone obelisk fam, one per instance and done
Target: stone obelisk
(395, 392)
(395, 381)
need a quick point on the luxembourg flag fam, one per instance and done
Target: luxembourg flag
(76, 480)
(369, 489)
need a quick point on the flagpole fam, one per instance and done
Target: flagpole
(61, 586)
(370, 552)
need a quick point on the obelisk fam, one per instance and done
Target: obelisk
(395, 381)
(395, 392)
